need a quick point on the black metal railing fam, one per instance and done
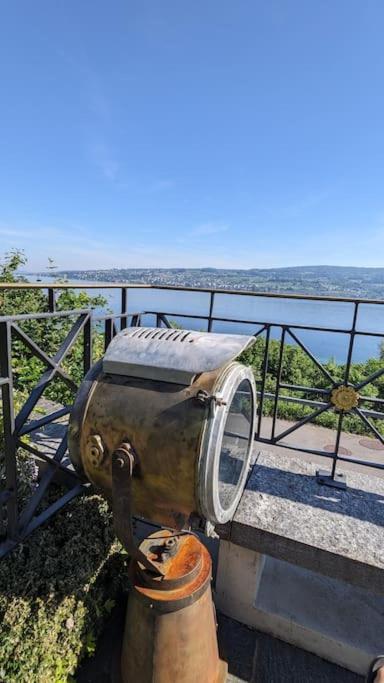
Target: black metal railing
(21, 522)
(333, 394)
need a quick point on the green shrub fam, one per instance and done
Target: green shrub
(56, 592)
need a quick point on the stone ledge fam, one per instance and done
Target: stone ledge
(286, 514)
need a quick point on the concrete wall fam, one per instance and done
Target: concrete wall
(325, 616)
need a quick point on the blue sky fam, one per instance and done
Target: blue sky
(192, 133)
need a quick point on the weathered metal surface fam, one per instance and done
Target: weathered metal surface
(177, 555)
(171, 355)
(162, 422)
(124, 463)
(170, 634)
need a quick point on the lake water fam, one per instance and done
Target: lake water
(322, 344)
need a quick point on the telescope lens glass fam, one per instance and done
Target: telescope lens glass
(234, 448)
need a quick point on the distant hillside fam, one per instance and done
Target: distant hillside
(331, 280)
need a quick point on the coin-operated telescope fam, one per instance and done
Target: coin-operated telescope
(164, 426)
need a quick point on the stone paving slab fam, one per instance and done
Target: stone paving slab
(285, 513)
(255, 657)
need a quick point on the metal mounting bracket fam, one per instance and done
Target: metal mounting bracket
(124, 465)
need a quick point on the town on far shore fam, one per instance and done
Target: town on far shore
(345, 281)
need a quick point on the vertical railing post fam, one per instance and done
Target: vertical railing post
(87, 350)
(339, 479)
(337, 444)
(9, 428)
(278, 382)
(264, 372)
(211, 303)
(108, 332)
(123, 319)
(351, 343)
(51, 300)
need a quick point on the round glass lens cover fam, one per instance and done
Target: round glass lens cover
(235, 444)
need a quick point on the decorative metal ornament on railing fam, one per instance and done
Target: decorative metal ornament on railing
(345, 398)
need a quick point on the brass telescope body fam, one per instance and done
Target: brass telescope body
(163, 421)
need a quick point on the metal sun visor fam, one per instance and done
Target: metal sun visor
(171, 355)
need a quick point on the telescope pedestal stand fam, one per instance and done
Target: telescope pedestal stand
(170, 628)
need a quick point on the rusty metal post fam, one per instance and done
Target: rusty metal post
(170, 628)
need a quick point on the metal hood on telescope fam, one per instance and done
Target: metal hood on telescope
(171, 355)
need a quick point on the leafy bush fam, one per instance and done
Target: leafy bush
(56, 591)
(57, 588)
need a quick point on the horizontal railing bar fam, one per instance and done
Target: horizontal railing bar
(298, 387)
(47, 419)
(113, 316)
(309, 328)
(287, 326)
(193, 316)
(313, 451)
(323, 454)
(68, 285)
(181, 288)
(43, 316)
(268, 295)
(372, 400)
(316, 404)
(4, 380)
(293, 387)
(294, 399)
(357, 461)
